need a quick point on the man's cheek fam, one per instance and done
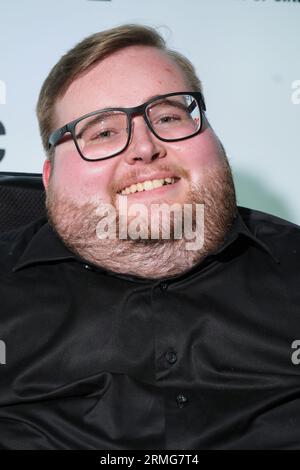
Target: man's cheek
(70, 174)
(198, 154)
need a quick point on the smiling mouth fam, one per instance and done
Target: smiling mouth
(148, 185)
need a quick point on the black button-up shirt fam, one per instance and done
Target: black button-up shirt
(203, 360)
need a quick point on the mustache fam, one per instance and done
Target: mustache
(115, 186)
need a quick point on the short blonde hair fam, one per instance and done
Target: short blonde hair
(86, 54)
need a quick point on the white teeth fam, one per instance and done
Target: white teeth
(147, 185)
(157, 183)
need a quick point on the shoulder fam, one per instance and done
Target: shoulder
(281, 236)
(268, 224)
(14, 242)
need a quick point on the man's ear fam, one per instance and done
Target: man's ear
(46, 173)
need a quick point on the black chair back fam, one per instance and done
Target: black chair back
(22, 199)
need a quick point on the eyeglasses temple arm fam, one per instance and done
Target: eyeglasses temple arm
(193, 105)
(57, 135)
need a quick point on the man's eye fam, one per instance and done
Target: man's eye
(168, 119)
(103, 135)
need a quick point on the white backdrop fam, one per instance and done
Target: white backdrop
(246, 53)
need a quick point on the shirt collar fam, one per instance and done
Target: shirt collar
(239, 229)
(46, 246)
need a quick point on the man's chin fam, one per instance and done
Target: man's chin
(155, 219)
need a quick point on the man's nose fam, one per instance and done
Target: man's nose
(143, 145)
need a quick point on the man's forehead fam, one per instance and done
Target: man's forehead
(126, 78)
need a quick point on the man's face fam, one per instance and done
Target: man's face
(76, 188)
(128, 78)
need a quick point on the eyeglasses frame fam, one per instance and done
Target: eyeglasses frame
(57, 135)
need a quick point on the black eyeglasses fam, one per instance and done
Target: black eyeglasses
(106, 133)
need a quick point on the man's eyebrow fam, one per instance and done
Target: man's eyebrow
(152, 97)
(147, 99)
(91, 122)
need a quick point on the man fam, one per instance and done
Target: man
(139, 342)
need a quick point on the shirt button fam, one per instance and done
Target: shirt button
(163, 286)
(182, 400)
(171, 357)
